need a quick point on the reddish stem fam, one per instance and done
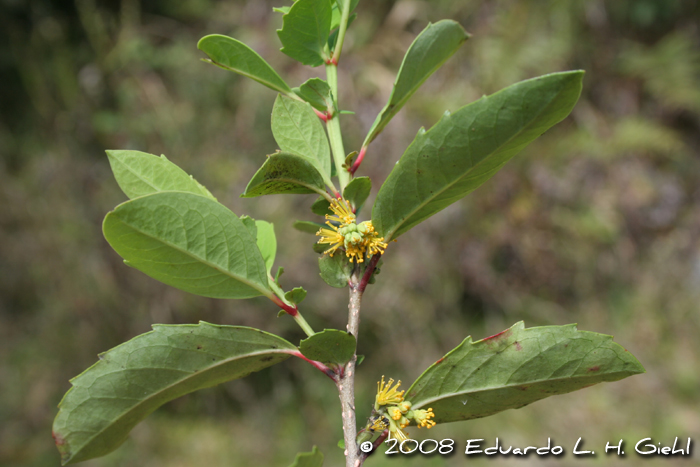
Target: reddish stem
(358, 161)
(368, 272)
(378, 442)
(318, 365)
(291, 311)
(323, 116)
(332, 61)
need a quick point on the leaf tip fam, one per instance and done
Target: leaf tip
(206, 39)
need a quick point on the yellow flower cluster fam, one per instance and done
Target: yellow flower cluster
(356, 239)
(390, 401)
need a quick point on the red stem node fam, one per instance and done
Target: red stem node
(318, 365)
(322, 116)
(358, 161)
(291, 311)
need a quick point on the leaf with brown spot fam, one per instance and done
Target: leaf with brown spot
(517, 367)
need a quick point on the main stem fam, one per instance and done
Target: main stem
(334, 134)
(346, 381)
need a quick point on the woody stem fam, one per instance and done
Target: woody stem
(346, 383)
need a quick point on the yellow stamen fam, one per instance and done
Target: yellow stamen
(396, 432)
(423, 418)
(343, 212)
(388, 395)
(331, 237)
(378, 424)
(356, 239)
(394, 413)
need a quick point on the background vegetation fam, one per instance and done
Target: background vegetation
(598, 222)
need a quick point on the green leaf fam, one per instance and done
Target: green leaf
(335, 270)
(317, 93)
(249, 223)
(298, 130)
(320, 248)
(132, 380)
(282, 9)
(267, 243)
(517, 367)
(305, 30)
(285, 173)
(336, 15)
(465, 149)
(307, 227)
(358, 191)
(309, 459)
(189, 242)
(296, 295)
(329, 346)
(321, 207)
(429, 51)
(139, 173)
(233, 55)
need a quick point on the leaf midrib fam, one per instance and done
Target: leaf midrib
(142, 401)
(265, 292)
(295, 182)
(507, 386)
(253, 77)
(316, 160)
(137, 175)
(439, 192)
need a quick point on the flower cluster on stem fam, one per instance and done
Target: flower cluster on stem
(357, 240)
(393, 412)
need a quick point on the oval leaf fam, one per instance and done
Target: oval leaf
(267, 243)
(132, 380)
(321, 207)
(517, 367)
(465, 149)
(231, 54)
(358, 191)
(298, 130)
(139, 173)
(329, 346)
(309, 459)
(316, 92)
(296, 295)
(308, 227)
(335, 270)
(305, 31)
(285, 173)
(429, 51)
(189, 242)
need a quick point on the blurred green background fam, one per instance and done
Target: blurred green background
(597, 222)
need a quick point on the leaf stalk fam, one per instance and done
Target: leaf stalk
(344, 16)
(293, 311)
